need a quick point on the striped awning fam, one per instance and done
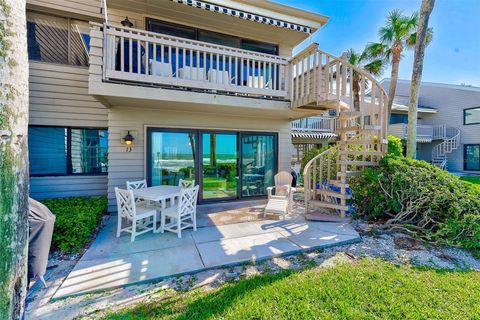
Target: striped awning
(313, 134)
(244, 15)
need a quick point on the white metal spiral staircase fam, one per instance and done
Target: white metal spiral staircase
(450, 143)
(321, 81)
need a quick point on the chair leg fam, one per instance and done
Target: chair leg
(155, 223)
(162, 223)
(134, 230)
(179, 227)
(119, 225)
(194, 218)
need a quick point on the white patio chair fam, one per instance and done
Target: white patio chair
(256, 82)
(186, 183)
(283, 189)
(140, 184)
(220, 76)
(182, 215)
(128, 209)
(161, 69)
(192, 73)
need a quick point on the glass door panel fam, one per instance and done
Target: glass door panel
(472, 157)
(219, 165)
(171, 156)
(258, 160)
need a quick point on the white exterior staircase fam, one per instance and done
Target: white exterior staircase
(322, 82)
(450, 143)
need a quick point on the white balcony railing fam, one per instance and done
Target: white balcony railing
(151, 58)
(320, 124)
(424, 131)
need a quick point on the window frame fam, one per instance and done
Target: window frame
(70, 21)
(465, 116)
(465, 146)
(68, 157)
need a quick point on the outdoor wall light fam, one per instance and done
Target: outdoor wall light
(126, 22)
(128, 140)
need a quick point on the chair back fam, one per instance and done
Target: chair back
(125, 203)
(283, 178)
(162, 69)
(219, 76)
(187, 204)
(186, 183)
(134, 185)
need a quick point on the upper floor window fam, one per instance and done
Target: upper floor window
(67, 151)
(182, 31)
(57, 40)
(471, 116)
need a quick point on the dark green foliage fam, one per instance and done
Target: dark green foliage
(310, 154)
(76, 220)
(395, 146)
(420, 198)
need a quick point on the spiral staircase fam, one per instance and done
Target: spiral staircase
(326, 83)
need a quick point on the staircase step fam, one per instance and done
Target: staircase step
(326, 204)
(334, 194)
(348, 129)
(358, 163)
(339, 183)
(347, 115)
(325, 217)
(360, 152)
(362, 142)
(348, 174)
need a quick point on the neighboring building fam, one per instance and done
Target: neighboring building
(448, 132)
(202, 90)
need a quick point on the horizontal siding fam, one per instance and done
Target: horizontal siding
(82, 8)
(59, 97)
(450, 101)
(125, 166)
(71, 186)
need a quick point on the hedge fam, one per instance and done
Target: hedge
(419, 198)
(76, 220)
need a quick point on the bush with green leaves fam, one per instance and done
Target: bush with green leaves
(421, 199)
(76, 220)
(395, 146)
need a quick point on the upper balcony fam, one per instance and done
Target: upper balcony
(425, 133)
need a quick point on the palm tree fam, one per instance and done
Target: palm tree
(13, 158)
(363, 61)
(423, 36)
(398, 34)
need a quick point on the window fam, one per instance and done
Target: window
(57, 40)
(471, 157)
(471, 116)
(67, 151)
(398, 118)
(182, 31)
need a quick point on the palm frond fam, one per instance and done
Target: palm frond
(375, 67)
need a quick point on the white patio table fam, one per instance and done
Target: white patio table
(158, 194)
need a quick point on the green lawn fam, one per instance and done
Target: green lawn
(472, 179)
(367, 289)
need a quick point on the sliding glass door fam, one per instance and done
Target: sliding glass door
(259, 163)
(219, 165)
(226, 164)
(171, 156)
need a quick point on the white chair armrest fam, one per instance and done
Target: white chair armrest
(269, 191)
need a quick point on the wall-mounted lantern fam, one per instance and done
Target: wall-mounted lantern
(126, 23)
(128, 139)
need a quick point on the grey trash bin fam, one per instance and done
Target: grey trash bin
(41, 221)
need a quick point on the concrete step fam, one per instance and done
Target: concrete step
(325, 204)
(348, 174)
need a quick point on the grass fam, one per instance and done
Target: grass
(475, 180)
(366, 289)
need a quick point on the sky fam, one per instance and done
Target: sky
(452, 57)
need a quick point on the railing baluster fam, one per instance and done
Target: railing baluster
(130, 53)
(122, 54)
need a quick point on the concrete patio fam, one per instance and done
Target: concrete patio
(113, 262)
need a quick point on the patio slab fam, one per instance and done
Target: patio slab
(112, 262)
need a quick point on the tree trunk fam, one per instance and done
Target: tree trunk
(356, 93)
(396, 54)
(13, 158)
(420, 44)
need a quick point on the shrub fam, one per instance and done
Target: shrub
(76, 219)
(310, 154)
(395, 146)
(421, 199)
